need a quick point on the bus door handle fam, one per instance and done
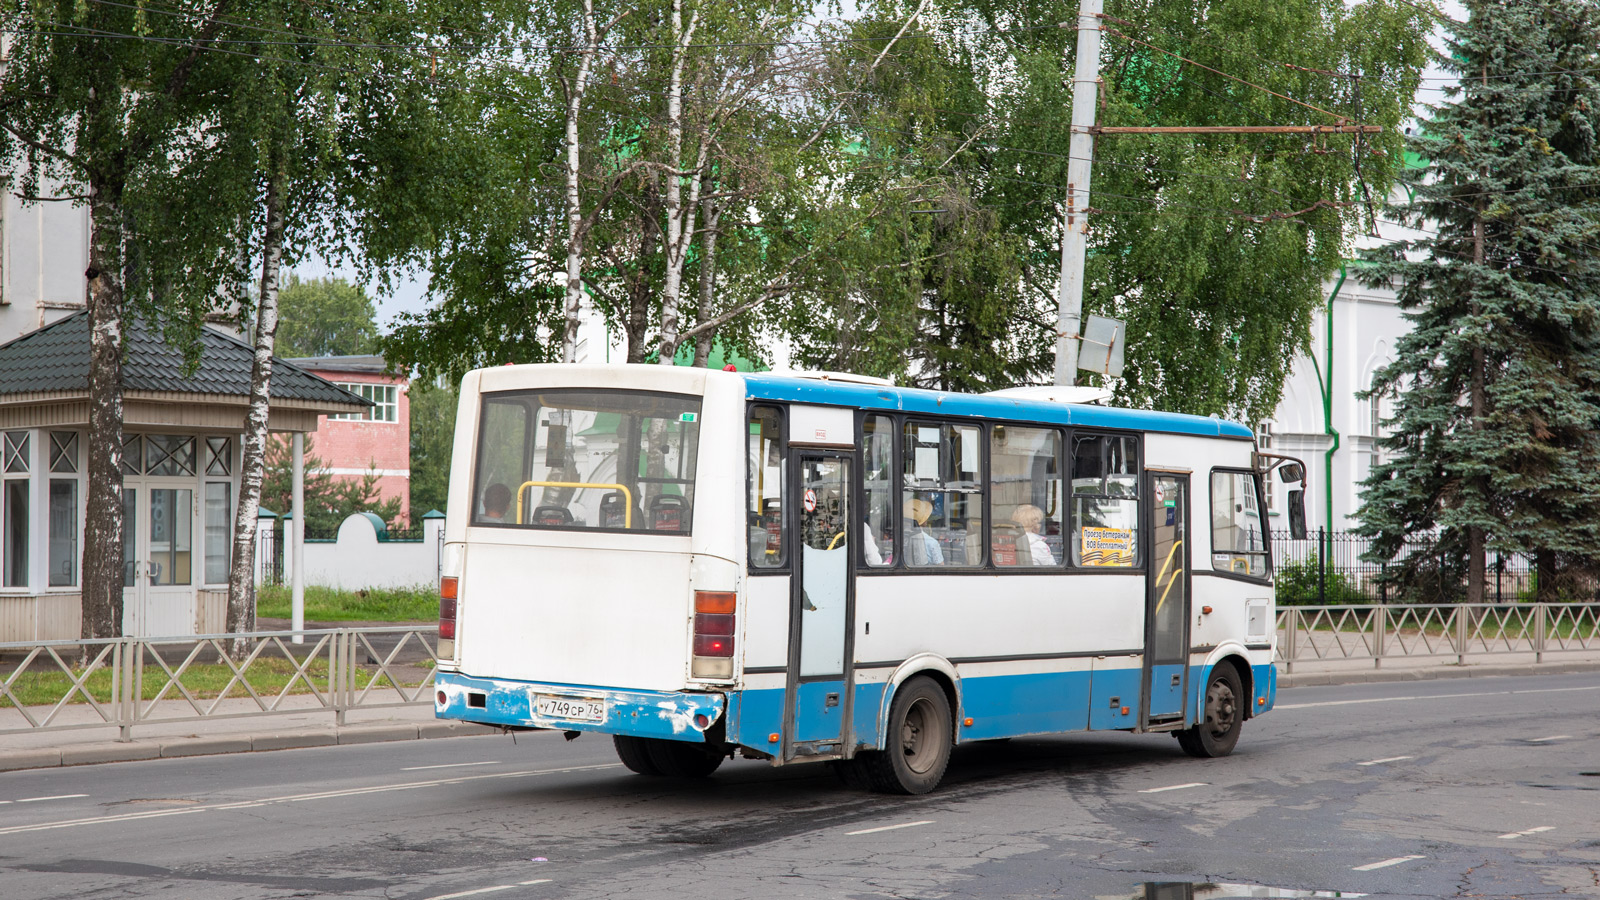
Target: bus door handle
(830, 701)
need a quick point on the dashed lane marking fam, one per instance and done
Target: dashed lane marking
(1384, 864)
(1318, 705)
(889, 827)
(489, 890)
(295, 798)
(1173, 787)
(1525, 832)
(1386, 759)
(56, 797)
(492, 762)
(1553, 737)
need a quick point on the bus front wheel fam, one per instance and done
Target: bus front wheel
(1218, 730)
(917, 745)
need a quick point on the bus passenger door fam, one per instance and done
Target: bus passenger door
(817, 713)
(1166, 658)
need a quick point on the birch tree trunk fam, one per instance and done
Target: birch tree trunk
(252, 470)
(575, 92)
(708, 279)
(103, 515)
(680, 216)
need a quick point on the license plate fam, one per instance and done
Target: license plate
(587, 709)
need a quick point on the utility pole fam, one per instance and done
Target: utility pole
(1075, 225)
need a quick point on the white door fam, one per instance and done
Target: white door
(159, 595)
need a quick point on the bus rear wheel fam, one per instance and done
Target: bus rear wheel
(679, 759)
(1218, 730)
(634, 754)
(917, 744)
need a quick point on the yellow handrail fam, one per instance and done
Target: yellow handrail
(627, 511)
(835, 542)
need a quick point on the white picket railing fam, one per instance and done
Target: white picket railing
(126, 682)
(1379, 632)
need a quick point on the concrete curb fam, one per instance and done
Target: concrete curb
(170, 748)
(1377, 676)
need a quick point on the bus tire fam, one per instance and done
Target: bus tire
(917, 743)
(632, 752)
(1218, 729)
(678, 759)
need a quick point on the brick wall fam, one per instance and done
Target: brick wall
(349, 449)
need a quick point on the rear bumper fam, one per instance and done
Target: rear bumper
(673, 715)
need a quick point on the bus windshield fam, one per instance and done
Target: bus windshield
(596, 460)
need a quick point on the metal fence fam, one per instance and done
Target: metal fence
(127, 682)
(1327, 567)
(1379, 632)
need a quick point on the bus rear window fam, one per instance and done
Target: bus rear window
(590, 460)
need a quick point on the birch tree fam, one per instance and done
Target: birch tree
(94, 100)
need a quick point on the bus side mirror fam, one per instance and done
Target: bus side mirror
(1297, 515)
(1291, 472)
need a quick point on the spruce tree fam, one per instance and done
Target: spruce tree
(1494, 440)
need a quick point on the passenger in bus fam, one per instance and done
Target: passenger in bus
(922, 548)
(496, 503)
(1031, 520)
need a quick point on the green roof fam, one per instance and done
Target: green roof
(56, 358)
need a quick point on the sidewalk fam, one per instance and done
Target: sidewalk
(315, 727)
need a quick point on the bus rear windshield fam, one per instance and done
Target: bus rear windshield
(592, 460)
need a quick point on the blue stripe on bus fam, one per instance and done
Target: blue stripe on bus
(999, 705)
(873, 397)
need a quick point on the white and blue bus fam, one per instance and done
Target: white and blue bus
(802, 568)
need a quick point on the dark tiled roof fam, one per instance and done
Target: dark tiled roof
(56, 358)
(372, 365)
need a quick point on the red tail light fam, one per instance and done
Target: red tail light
(714, 630)
(447, 608)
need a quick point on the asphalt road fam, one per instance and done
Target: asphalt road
(1481, 788)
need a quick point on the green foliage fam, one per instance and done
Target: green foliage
(329, 499)
(1295, 584)
(324, 317)
(433, 431)
(325, 604)
(1499, 379)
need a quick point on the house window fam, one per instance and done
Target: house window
(14, 529)
(64, 452)
(63, 532)
(15, 459)
(219, 506)
(1264, 442)
(15, 453)
(168, 454)
(385, 403)
(219, 456)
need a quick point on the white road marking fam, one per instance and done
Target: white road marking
(1386, 759)
(1173, 787)
(889, 827)
(488, 890)
(293, 798)
(56, 797)
(1553, 737)
(1525, 832)
(1385, 863)
(1434, 697)
(491, 762)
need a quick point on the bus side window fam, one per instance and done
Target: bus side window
(1025, 496)
(767, 455)
(942, 510)
(878, 538)
(1105, 501)
(1238, 539)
